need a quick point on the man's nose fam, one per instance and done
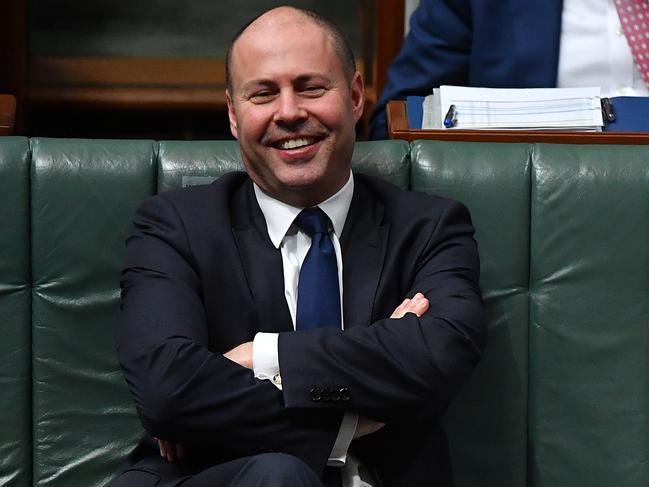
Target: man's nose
(289, 109)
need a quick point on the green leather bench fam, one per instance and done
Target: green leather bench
(561, 397)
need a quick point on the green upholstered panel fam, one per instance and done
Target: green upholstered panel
(487, 423)
(15, 331)
(387, 159)
(589, 316)
(84, 193)
(188, 163)
(197, 162)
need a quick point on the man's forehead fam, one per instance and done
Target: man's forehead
(296, 49)
(275, 23)
(278, 17)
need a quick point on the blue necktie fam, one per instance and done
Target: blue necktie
(318, 295)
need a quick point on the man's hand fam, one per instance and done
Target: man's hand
(241, 354)
(366, 426)
(417, 305)
(170, 450)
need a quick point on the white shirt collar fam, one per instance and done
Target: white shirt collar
(279, 216)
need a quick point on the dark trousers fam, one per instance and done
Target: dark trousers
(265, 470)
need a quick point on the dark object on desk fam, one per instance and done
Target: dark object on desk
(608, 113)
(449, 119)
(631, 114)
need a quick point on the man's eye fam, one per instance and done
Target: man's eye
(261, 96)
(313, 90)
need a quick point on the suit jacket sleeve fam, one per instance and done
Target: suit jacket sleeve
(410, 367)
(184, 391)
(435, 52)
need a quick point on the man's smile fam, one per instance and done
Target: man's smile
(295, 143)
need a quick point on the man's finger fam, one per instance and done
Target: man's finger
(400, 310)
(167, 450)
(163, 450)
(417, 305)
(366, 426)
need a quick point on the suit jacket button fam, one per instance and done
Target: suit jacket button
(345, 395)
(316, 394)
(326, 395)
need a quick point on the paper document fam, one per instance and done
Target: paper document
(509, 108)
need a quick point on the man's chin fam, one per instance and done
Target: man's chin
(306, 190)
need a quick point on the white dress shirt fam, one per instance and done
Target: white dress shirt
(294, 244)
(594, 51)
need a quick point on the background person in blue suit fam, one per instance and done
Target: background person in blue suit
(511, 44)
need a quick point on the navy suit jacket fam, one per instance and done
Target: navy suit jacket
(487, 43)
(202, 276)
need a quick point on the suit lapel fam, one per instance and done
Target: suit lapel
(363, 243)
(261, 261)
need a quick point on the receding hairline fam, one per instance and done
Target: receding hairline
(339, 43)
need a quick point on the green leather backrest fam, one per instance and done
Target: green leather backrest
(487, 423)
(15, 308)
(83, 197)
(589, 316)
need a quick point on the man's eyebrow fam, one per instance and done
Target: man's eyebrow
(311, 77)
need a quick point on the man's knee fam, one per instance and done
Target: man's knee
(279, 469)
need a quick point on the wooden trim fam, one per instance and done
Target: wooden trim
(7, 114)
(147, 98)
(398, 129)
(389, 38)
(127, 71)
(13, 52)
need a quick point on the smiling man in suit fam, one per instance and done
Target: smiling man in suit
(264, 335)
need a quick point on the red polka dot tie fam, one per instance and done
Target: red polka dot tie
(634, 17)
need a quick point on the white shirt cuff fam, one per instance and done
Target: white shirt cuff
(338, 455)
(265, 360)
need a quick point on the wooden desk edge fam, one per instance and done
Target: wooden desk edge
(398, 128)
(7, 114)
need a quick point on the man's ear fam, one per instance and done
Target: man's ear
(231, 114)
(358, 96)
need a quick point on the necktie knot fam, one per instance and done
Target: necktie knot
(312, 221)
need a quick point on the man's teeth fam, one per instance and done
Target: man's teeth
(294, 143)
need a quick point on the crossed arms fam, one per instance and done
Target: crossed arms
(242, 355)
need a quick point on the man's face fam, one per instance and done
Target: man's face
(293, 110)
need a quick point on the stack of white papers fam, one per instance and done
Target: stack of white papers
(508, 108)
